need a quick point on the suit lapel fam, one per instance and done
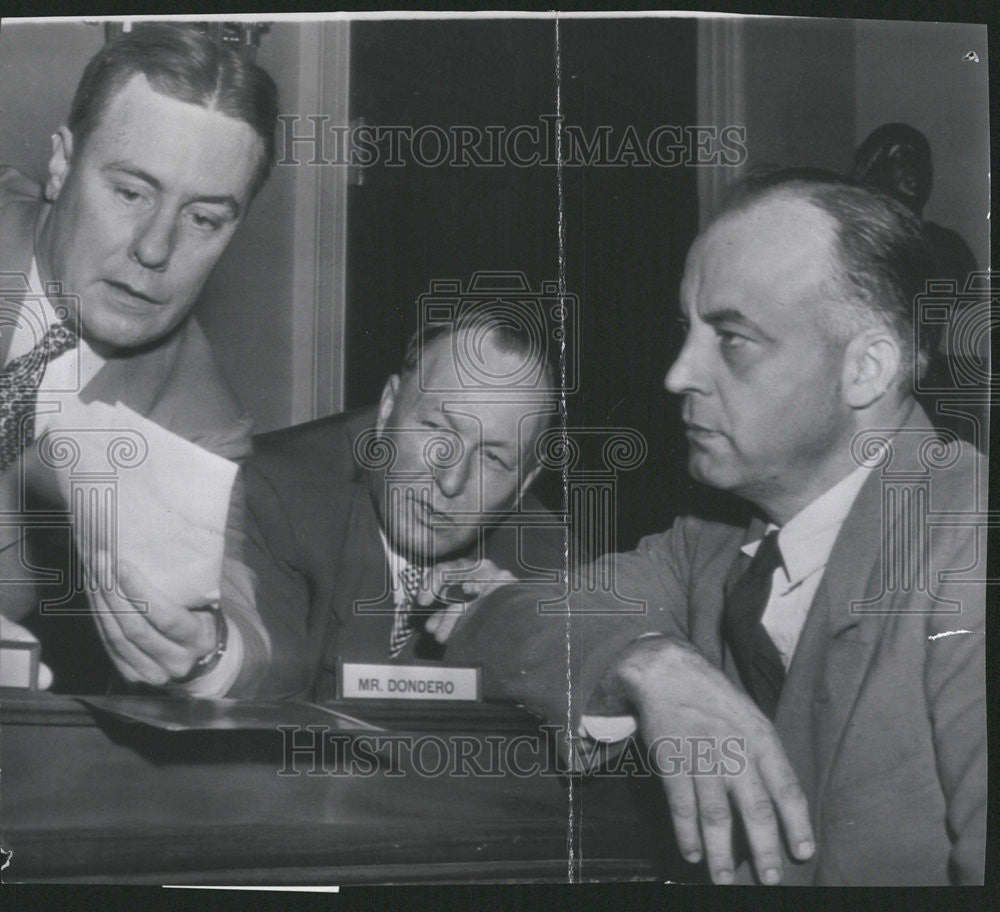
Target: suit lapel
(136, 379)
(358, 616)
(17, 226)
(830, 661)
(837, 644)
(362, 569)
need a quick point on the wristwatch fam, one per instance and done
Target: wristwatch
(208, 661)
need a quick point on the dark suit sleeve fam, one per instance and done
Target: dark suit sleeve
(278, 588)
(237, 599)
(532, 650)
(955, 684)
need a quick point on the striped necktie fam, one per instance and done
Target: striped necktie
(402, 623)
(19, 382)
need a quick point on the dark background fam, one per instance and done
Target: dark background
(627, 229)
(811, 90)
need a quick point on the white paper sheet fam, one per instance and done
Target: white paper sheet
(144, 494)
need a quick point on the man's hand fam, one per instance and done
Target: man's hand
(677, 693)
(149, 638)
(458, 583)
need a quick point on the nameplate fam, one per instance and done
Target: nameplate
(365, 681)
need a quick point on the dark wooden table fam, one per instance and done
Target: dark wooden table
(88, 797)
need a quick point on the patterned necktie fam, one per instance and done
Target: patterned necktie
(756, 656)
(402, 623)
(19, 382)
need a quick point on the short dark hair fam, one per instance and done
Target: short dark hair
(184, 64)
(883, 258)
(493, 319)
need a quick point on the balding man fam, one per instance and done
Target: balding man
(838, 632)
(357, 522)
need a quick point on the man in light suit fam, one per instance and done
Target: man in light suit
(844, 652)
(168, 139)
(435, 477)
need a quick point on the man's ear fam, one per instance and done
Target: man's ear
(872, 360)
(59, 162)
(385, 406)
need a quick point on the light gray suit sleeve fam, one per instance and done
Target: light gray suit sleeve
(536, 651)
(955, 685)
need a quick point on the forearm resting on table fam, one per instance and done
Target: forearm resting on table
(610, 713)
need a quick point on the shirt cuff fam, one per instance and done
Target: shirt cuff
(607, 729)
(611, 729)
(218, 681)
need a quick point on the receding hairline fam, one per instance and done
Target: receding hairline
(791, 192)
(843, 312)
(822, 219)
(496, 335)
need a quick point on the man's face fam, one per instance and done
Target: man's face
(760, 376)
(462, 458)
(143, 211)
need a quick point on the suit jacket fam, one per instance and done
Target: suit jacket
(322, 577)
(882, 714)
(174, 382)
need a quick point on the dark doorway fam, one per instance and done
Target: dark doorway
(626, 225)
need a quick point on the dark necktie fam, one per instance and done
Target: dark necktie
(402, 622)
(756, 656)
(19, 382)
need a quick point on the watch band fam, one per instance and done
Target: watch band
(208, 661)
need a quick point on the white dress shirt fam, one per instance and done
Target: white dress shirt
(396, 564)
(805, 542)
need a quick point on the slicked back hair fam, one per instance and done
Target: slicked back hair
(181, 63)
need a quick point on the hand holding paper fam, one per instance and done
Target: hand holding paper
(149, 513)
(149, 636)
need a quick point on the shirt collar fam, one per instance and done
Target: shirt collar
(35, 285)
(43, 315)
(396, 565)
(33, 317)
(807, 539)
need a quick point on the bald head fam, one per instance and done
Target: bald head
(880, 261)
